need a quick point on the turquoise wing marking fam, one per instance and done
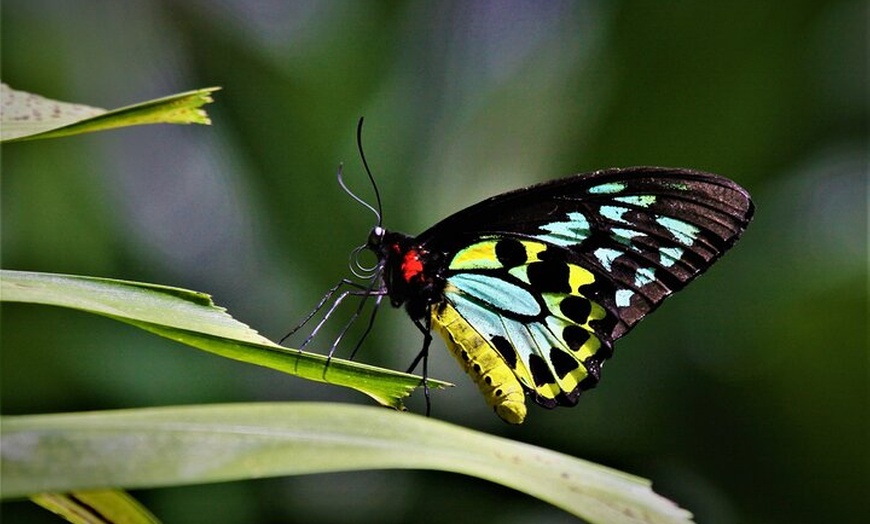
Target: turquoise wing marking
(497, 292)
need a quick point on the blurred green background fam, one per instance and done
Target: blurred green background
(745, 398)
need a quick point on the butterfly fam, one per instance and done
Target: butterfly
(530, 289)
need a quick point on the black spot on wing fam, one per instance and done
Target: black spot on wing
(549, 276)
(506, 349)
(510, 252)
(563, 363)
(541, 373)
(575, 337)
(576, 309)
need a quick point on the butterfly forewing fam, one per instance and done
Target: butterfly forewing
(647, 230)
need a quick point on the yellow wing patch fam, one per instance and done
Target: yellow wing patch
(477, 256)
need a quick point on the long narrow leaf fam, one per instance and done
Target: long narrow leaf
(27, 116)
(192, 318)
(183, 445)
(108, 506)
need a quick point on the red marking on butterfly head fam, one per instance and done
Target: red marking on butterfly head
(412, 266)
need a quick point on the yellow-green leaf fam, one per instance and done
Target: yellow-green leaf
(178, 445)
(27, 116)
(109, 506)
(191, 318)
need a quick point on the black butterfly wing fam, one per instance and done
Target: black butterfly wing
(644, 232)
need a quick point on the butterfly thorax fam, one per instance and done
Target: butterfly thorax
(412, 274)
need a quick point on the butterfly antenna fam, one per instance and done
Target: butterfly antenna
(362, 155)
(377, 211)
(353, 195)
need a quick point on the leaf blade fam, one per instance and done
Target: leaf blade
(191, 318)
(195, 444)
(27, 116)
(96, 507)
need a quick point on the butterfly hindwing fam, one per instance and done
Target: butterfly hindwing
(527, 301)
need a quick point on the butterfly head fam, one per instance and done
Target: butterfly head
(376, 239)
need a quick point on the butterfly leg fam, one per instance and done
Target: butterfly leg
(329, 294)
(370, 291)
(425, 327)
(360, 290)
(335, 303)
(365, 334)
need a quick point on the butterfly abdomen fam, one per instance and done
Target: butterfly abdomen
(496, 381)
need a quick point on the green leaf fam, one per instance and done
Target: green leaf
(192, 318)
(27, 116)
(169, 446)
(96, 507)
